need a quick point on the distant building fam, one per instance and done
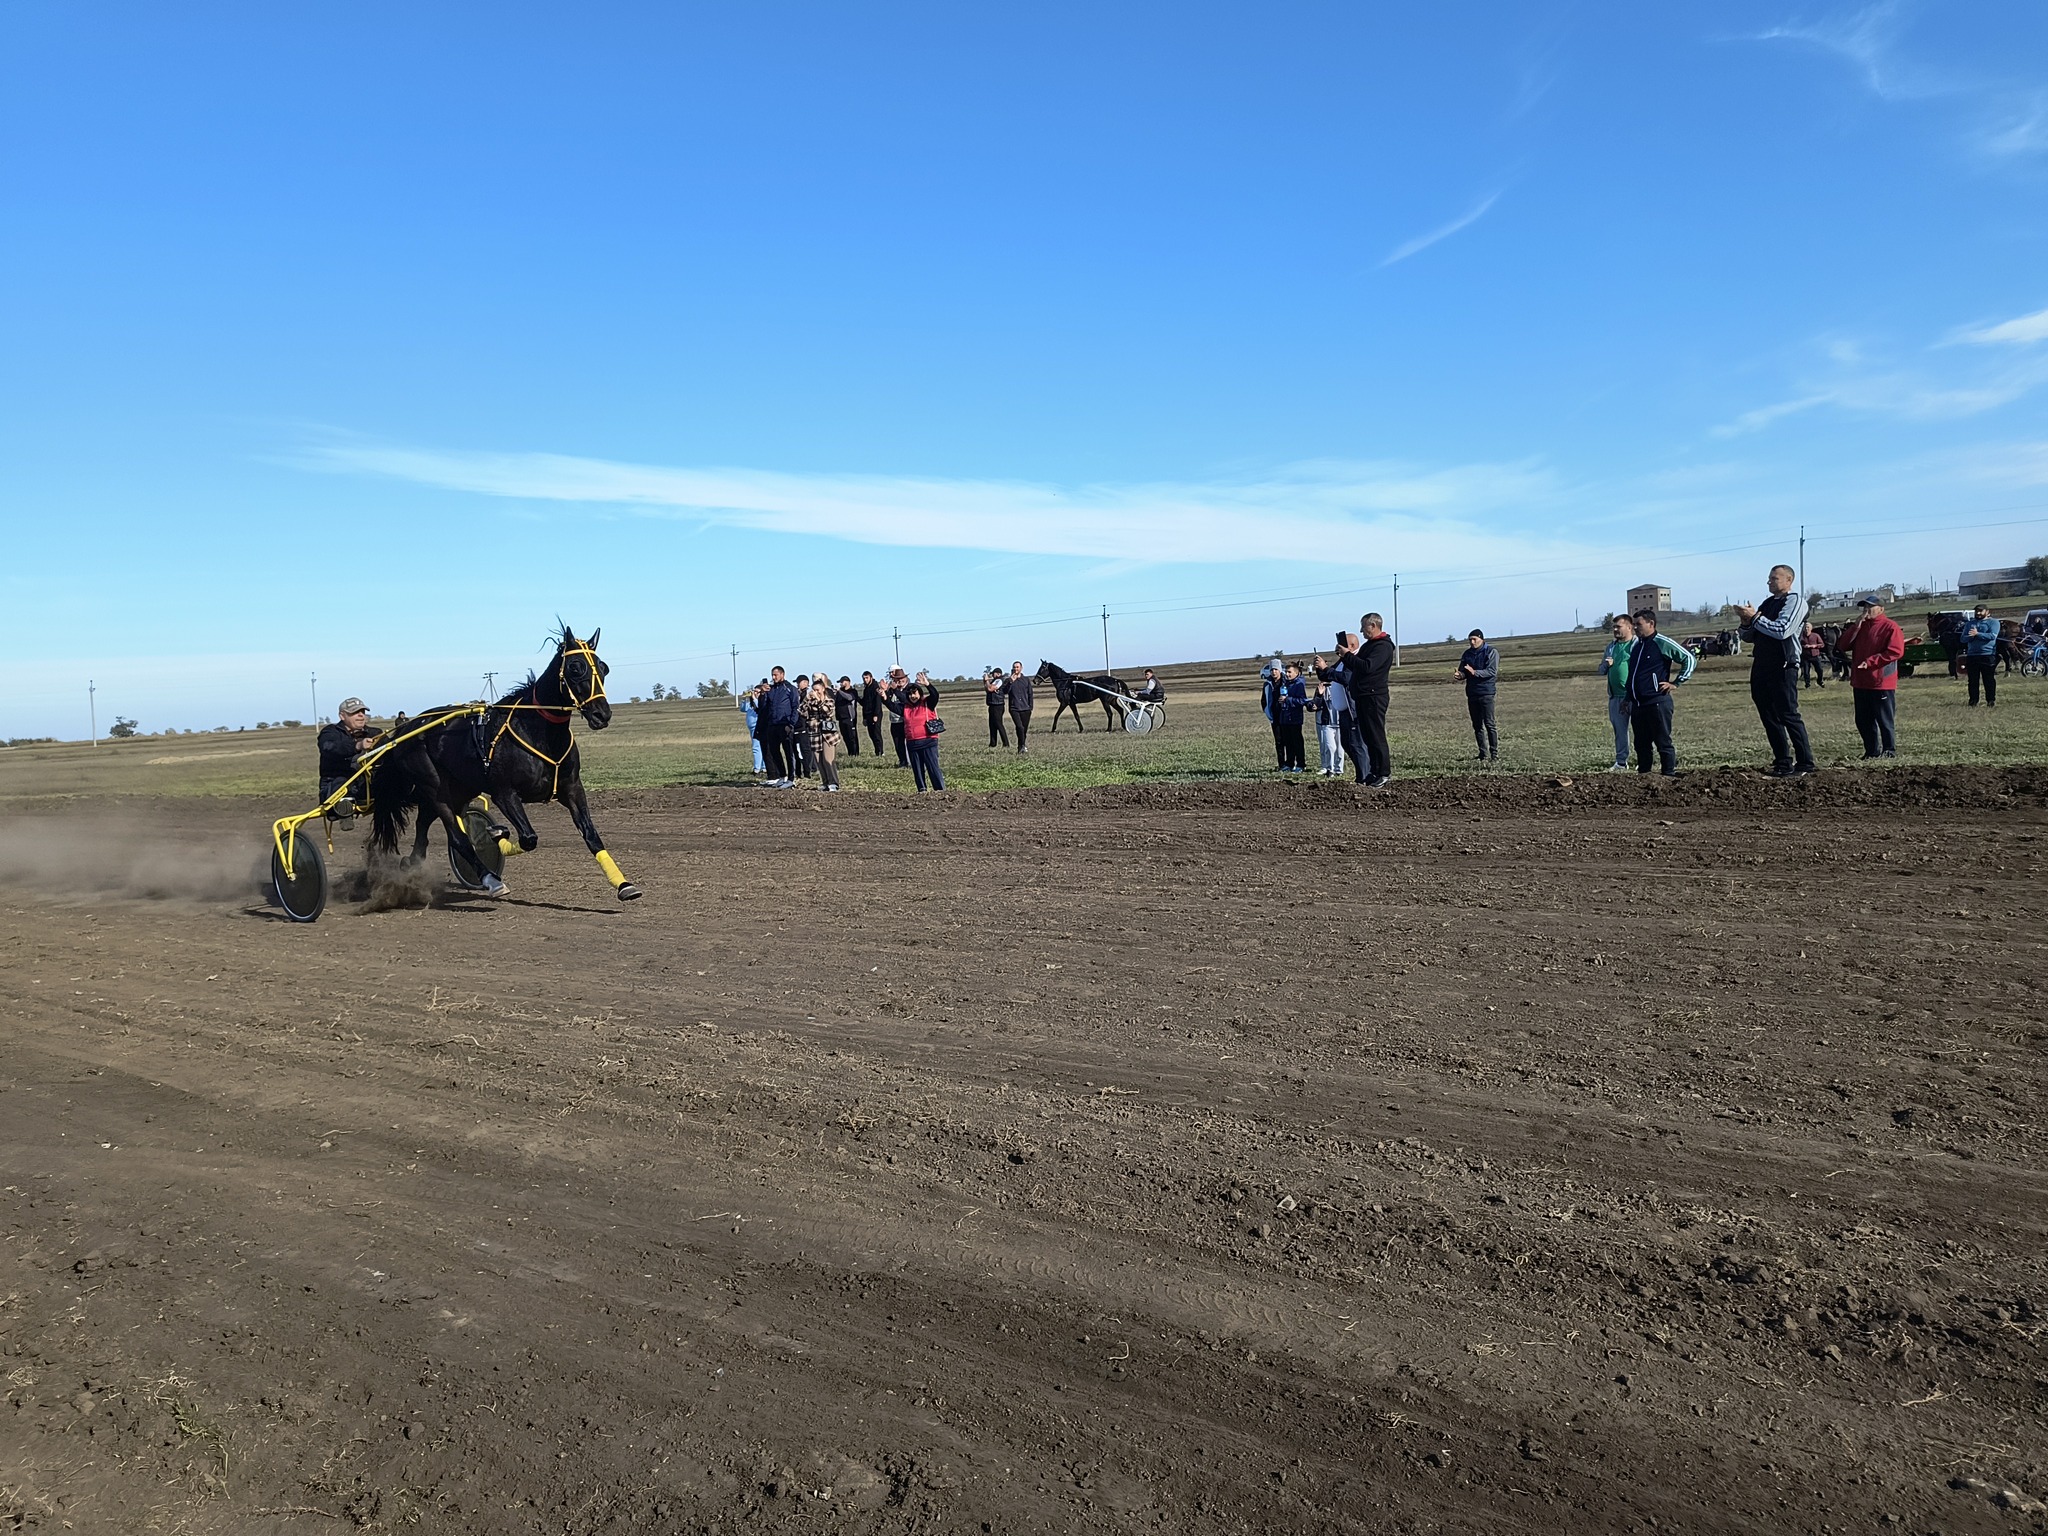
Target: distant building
(2005, 581)
(1656, 599)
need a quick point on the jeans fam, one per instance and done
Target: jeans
(1985, 667)
(1620, 715)
(1813, 664)
(1774, 689)
(1329, 737)
(1876, 710)
(1651, 718)
(924, 764)
(1480, 707)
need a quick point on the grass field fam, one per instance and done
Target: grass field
(1552, 715)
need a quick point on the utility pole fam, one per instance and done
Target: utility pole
(315, 685)
(899, 646)
(1397, 618)
(1105, 637)
(490, 685)
(1802, 562)
(93, 709)
(735, 677)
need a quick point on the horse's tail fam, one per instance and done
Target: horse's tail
(390, 804)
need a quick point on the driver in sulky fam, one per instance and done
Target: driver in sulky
(342, 745)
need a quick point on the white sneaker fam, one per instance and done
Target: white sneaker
(831, 789)
(1616, 768)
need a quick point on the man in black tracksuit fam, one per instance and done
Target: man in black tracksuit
(872, 709)
(1772, 630)
(1018, 688)
(775, 723)
(1480, 667)
(1363, 663)
(846, 712)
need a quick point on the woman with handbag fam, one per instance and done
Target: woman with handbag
(921, 728)
(821, 721)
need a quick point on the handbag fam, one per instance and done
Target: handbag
(935, 726)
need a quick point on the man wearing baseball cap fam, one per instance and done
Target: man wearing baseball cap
(342, 744)
(1875, 646)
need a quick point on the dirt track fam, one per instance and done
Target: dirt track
(1470, 1158)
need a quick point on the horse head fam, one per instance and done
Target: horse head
(1046, 672)
(583, 673)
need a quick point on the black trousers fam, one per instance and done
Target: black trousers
(778, 750)
(1354, 744)
(1480, 707)
(1812, 664)
(1372, 725)
(997, 736)
(1876, 710)
(896, 735)
(1021, 720)
(801, 757)
(1650, 719)
(849, 732)
(1774, 688)
(875, 732)
(1279, 744)
(1985, 667)
(1293, 749)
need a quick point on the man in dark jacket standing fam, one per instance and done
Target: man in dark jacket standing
(872, 709)
(846, 712)
(776, 728)
(1772, 630)
(1019, 691)
(1363, 663)
(1480, 667)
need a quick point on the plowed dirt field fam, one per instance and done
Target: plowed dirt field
(1510, 1156)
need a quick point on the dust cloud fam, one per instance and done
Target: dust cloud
(112, 855)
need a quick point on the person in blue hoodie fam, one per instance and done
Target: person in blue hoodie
(1290, 705)
(1479, 666)
(1980, 655)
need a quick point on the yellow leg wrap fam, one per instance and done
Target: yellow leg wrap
(507, 847)
(610, 867)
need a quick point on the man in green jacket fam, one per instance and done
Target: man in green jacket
(1614, 667)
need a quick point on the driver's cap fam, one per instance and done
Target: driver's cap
(351, 705)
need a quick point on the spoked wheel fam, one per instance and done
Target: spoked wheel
(476, 826)
(1138, 719)
(303, 891)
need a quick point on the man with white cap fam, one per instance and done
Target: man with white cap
(342, 745)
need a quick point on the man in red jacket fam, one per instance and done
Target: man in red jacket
(1874, 677)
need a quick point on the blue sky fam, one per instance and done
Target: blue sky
(368, 340)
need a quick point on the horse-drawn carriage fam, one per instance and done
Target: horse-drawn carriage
(462, 765)
(1120, 707)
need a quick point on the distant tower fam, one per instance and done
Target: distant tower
(1656, 599)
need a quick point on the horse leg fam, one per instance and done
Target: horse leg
(421, 821)
(458, 840)
(572, 795)
(507, 800)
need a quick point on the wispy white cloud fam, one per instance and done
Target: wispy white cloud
(1424, 242)
(2021, 331)
(1375, 514)
(2008, 121)
(1865, 40)
(1848, 379)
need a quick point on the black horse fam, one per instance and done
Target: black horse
(1073, 692)
(519, 751)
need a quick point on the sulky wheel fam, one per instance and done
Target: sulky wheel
(1138, 719)
(476, 826)
(303, 892)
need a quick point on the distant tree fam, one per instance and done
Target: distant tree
(290, 725)
(714, 688)
(2037, 572)
(659, 693)
(262, 725)
(636, 699)
(122, 726)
